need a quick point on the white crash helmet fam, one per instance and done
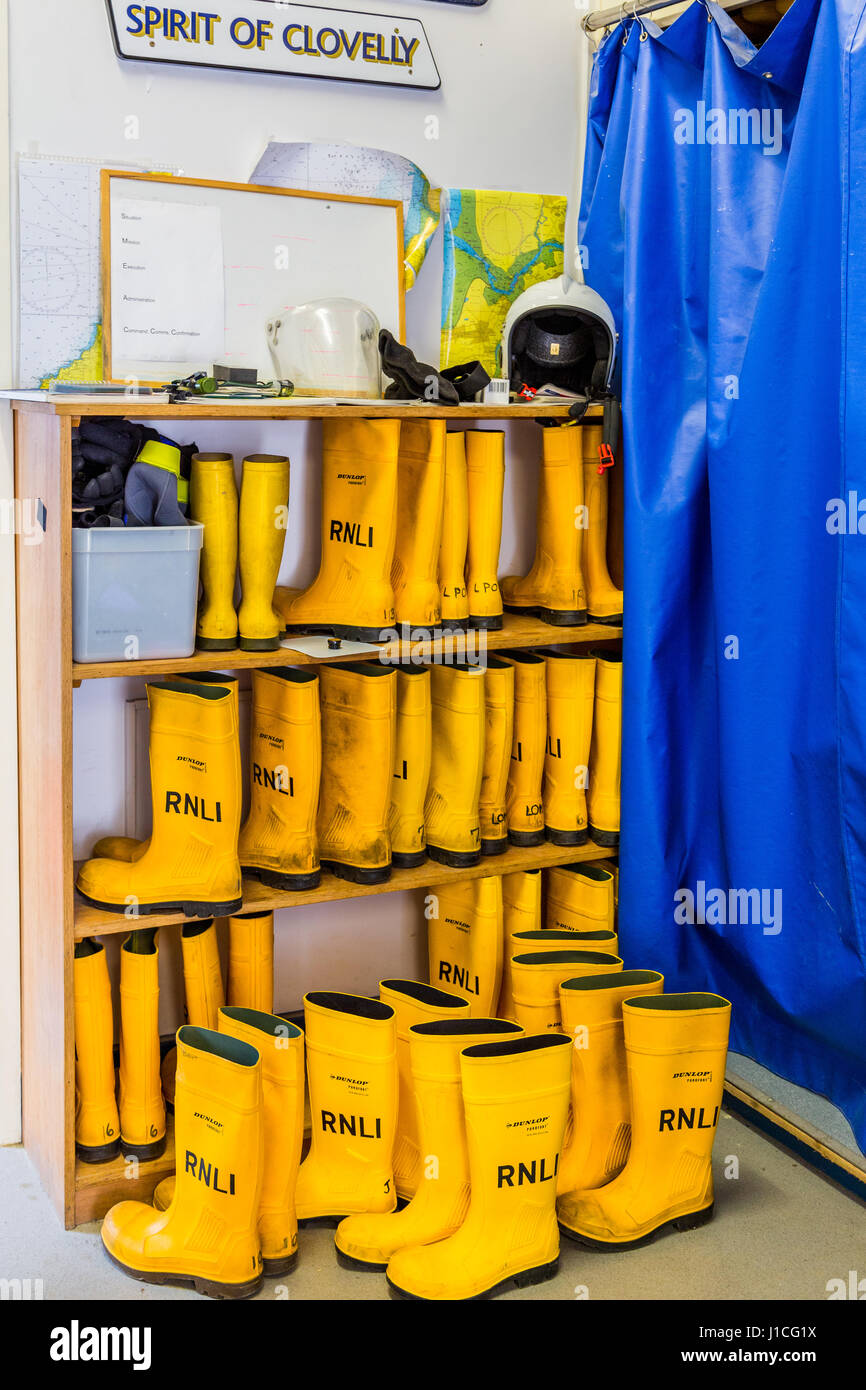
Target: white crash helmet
(559, 331)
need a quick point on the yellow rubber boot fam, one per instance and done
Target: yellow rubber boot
(359, 732)
(278, 842)
(604, 600)
(537, 975)
(524, 803)
(352, 595)
(451, 811)
(521, 912)
(605, 759)
(126, 847)
(485, 474)
(515, 1097)
(570, 685)
(203, 990)
(213, 501)
(420, 501)
(520, 943)
(251, 962)
(191, 862)
(454, 595)
(554, 590)
(676, 1045)
(97, 1122)
(141, 1106)
(208, 1238)
(352, 1076)
(441, 1201)
(592, 1016)
(262, 533)
(580, 898)
(413, 1003)
(413, 753)
(464, 941)
(499, 733)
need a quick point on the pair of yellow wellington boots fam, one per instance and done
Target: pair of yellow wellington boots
(580, 898)
(227, 1217)
(249, 535)
(452, 805)
(190, 862)
(536, 976)
(464, 941)
(520, 943)
(472, 530)
(671, 1064)
(359, 735)
(569, 582)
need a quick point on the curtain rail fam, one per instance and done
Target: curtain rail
(606, 19)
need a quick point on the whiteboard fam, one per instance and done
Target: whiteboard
(281, 247)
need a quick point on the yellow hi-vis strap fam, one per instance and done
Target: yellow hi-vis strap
(165, 456)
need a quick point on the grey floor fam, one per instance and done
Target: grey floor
(781, 1231)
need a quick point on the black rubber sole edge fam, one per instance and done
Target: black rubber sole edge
(453, 860)
(289, 883)
(525, 1280)
(493, 624)
(614, 621)
(189, 1281)
(556, 617)
(145, 1153)
(489, 847)
(350, 634)
(566, 837)
(275, 1269)
(409, 861)
(526, 839)
(193, 909)
(100, 1153)
(216, 644)
(260, 644)
(608, 839)
(690, 1222)
(350, 1262)
(367, 877)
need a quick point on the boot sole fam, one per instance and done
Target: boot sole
(290, 883)
(260, 644)
(99, 1153)
(608, 839)
(526, 839)
(187, 909)
(566, 837)
(452, 859)
(349, 634)
(313, 1223)
(216, 644)
(350, 1262)
(190, 1281)
(352, 875)
(494, 846)
(275, 1269)
(409, 861)
(145, 1153)
(690, 1222)
(556, 617)
(493, 624)
(612, 620)
(524, 1280)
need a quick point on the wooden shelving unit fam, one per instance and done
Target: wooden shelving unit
(53, 917)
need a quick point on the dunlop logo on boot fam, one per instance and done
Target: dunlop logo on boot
(459, 975)
(209, 1174)
(273, 781)
(685, 1119)
(356, 1125)
(516, 1175)
(350, 533)
(185, 805)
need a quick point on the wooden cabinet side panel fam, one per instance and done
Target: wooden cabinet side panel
(43, 605)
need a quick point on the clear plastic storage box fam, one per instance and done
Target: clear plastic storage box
(134, 592)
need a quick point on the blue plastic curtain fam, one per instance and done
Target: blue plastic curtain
(724, 219)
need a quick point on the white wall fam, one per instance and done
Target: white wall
(507, 119)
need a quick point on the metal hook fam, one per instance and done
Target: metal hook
(644, 32)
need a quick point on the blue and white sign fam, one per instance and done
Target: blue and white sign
(288, 39)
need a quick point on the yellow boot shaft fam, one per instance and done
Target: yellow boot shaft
(251, 962)
(464, 942)
(441, 1200)
(213, 501)
(142, 1111)
(554, 587)
(204, 994)
(515, 1096)
(359, 727)
(262, 534)
(519, 943)
(420, 502)
(604, 600)
(605, 759)
(580, 898)
(454, 595)
(485, 475)
(352, 595)
(413, 1003)
(413, 753)
(570, 690)
(499, 735)
(351, 1048)
(209, 1233)
(97, 1122)
(521, 911)
(451, 811)
(524, 802)
(278, 843)
(537, 976)
(591, 1006)
(676, 1046)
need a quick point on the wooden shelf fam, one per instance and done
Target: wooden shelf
(517, 631)
(89, 921)
(98, 1186)
(305, 410)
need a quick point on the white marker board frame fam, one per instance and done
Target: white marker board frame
(339, 246)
